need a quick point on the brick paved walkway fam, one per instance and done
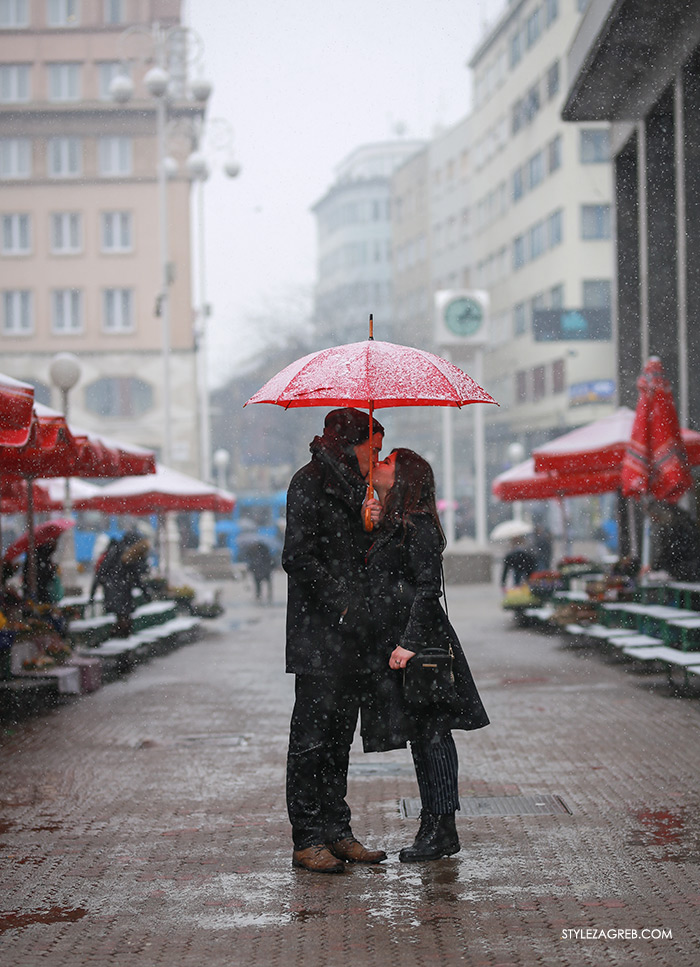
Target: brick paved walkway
(145, 824)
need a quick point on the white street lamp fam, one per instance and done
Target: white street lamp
(157, 82)
(65, 371)
(219, 134)
(516, 455)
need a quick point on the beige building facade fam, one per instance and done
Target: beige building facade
(80, 261)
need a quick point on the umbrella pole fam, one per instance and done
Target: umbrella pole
(370, 486)
(31, 545)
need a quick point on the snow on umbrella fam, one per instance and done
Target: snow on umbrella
(371, 374)
(51, 530)
(656, 460)
(523, 482)
(508, 529)
(165, 490)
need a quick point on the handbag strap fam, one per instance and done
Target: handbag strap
(444, 595)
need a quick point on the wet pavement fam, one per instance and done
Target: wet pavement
(145, 824)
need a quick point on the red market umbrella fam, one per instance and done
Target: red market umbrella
(16, 411)
(14, 497)
(371, 374)
(656, 459)
(523, 482)
(49, 531)
(600, 445)
(165, 490)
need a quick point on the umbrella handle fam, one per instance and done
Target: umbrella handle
(367, 513)
(369, 526)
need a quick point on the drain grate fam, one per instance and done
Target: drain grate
(496, 806)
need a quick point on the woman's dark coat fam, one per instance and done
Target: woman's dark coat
(324, 557)
(405, 574)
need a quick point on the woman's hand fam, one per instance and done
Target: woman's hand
(375, 509)
(400, 657)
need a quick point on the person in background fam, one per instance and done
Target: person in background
(122, 569)
(541, 546)
(327, 637)
(404, 565)
(675, 542)
(519, 562)
(258, 557)
(48, 582)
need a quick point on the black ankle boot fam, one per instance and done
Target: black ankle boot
(436, 837)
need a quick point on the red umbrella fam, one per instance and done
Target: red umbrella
(16, 411)
(50, 531)
(523, 482)
(371, 374)
(600, 445)
(165, 490)
(656, 459)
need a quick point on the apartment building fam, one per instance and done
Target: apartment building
(80, 261)
(353, 223)
(541, 220)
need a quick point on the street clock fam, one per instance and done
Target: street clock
(460, 317)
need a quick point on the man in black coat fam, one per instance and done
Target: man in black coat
(327, 633)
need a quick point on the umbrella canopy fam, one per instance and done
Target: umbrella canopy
(165, 490)
(508, 529)
(371, 374)
(656, 459)
(381, 373)
(50, 531)
(523, 482)
(600, 445)
(14, 498)
(16, 411)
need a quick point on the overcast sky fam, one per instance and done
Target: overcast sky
(303, 83)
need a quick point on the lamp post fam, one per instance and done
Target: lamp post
(222, 459)
(218, 134)
(65, 371)
(158, 81)
(516, 454)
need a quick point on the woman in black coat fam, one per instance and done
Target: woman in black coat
(404, 566)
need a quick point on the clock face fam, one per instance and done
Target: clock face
(464, 316)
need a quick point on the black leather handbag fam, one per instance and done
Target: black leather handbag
(428, 680)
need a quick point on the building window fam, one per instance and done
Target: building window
(16, 238)
(556, 297)
(17, 312)
(532, 27)
(539, 383)
(15, 158)
(114, 11)
(62, 13)
(114, 156)
(538, 240)
(122, 396)
(553, 81)
(14, 83)
(519, 319)
(519, 252)
(65, 157)
(521, 387)
(66, 311)
(554, 154)
(595, 221)
(516, 48)
(551, 11)
(107, 70)
(14, 13)
(594, 146)
(64, 82)
(597, 293)
(535, 167)
(555, 228)
(558, 376)
(66, 233)
(116, 232)
(118, 310)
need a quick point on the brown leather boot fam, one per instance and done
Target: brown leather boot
(352, 851)
(318, 859)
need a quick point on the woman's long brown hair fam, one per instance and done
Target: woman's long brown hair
(413, 491)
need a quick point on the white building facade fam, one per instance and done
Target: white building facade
(542, 223)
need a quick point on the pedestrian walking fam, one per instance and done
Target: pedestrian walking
(519, 562)
(258, 558)
(404, 566)
(676, 541)
(327, 637)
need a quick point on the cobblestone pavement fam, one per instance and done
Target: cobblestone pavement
(145, 824)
